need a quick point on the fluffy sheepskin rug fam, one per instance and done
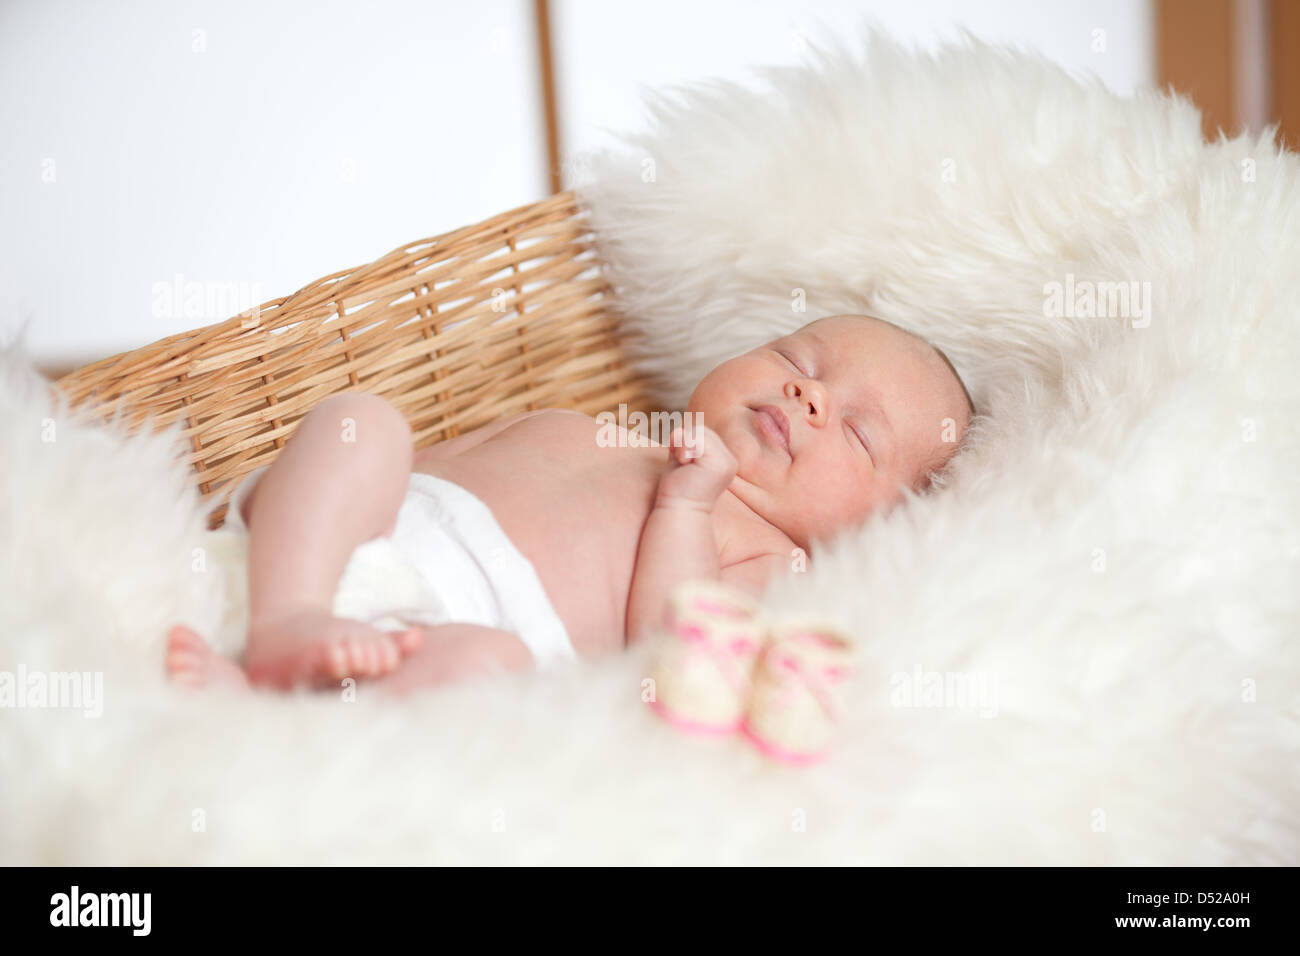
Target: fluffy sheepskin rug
(1080, 649)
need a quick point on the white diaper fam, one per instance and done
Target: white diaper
(447, 561)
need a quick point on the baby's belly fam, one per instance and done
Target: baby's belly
(574, 509)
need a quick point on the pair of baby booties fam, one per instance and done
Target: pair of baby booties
(722, 667)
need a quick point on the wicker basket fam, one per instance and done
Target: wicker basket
(457, 331)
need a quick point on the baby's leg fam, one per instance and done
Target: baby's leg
(191, 661)
(452, 652)
(339, 482)
(448, 653)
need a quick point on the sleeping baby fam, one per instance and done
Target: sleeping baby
(531, 540)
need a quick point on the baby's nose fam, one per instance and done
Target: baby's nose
(811, 398)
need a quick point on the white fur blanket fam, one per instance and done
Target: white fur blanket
(1081, 650)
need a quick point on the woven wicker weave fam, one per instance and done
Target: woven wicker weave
(457, 331)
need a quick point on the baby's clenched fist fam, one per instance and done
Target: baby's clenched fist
(698, 472)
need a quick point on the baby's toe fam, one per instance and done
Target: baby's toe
(185, 665)
(366, 656)
(181, 639)
(409, 641)
(179, 661)
(337, 660)
(355, 651)
(185, 649)
(181, 664)
(371, 649)
(179, 651)
(381, 654)
(386, 654)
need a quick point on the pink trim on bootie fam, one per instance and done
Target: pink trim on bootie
(792, 678)
(718, 635)
(694, 726)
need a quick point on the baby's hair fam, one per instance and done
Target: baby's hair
(940, 467)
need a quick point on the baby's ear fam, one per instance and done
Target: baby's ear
(933, 468)
(937, 467)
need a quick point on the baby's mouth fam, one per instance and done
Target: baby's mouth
(774, 426)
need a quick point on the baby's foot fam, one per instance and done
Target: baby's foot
(315, 647)
(192, 662)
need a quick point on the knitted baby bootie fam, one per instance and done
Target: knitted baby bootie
(705, 657)
(796, 700)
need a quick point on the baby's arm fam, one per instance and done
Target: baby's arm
(677, 543)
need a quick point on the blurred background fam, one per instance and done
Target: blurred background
(165, 165)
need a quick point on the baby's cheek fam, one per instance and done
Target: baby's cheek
(822, 510)
(852, 501)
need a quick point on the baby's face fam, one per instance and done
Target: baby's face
(828, 424)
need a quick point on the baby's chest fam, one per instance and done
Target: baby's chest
(583, 487)
(560, 491)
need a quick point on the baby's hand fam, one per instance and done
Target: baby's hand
(697, 474)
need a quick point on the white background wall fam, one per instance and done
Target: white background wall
(251, 147)
(607, 48)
